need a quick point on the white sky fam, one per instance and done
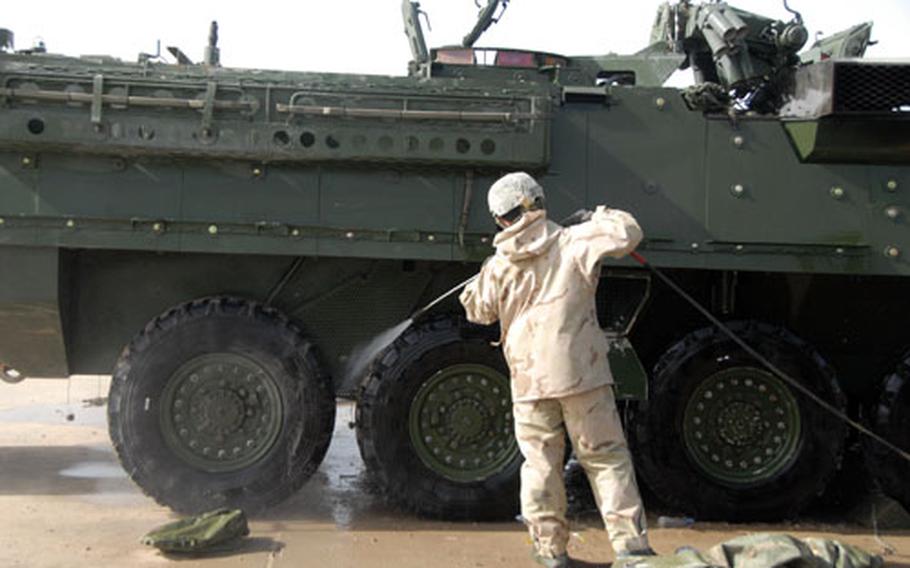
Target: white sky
(365, 36)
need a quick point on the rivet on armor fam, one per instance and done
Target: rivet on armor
(892, 251)
(213, 229)
(295, 232)
(891, 184)
(837, 192)
(70, 223)
(158, 227)
(257, 171)
(738, 141)
(694, 246)
(431, 238)
(839, 250)
(660, 103)
(738, 190)
(892, 212)
(349, 235)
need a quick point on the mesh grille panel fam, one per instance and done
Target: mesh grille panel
(872, 88)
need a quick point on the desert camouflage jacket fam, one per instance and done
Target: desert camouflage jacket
(540, 284)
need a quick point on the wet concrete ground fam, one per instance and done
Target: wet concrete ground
(66, 502)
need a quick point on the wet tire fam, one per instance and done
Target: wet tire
(890, 419)
(722, 438)
(220, 402)
(434, 424)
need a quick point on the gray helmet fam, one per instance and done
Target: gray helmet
(516, 192)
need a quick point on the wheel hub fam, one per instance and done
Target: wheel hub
(221, 412)
(460, 423)
(467, 420)
(741, 426)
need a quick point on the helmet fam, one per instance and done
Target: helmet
(514, 191)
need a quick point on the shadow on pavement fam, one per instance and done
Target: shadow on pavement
(251, 545)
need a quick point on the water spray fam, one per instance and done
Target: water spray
(363, 355)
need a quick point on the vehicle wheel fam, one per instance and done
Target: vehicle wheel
(721, 437)
(220, 402)
(891, 419)
(434, 423)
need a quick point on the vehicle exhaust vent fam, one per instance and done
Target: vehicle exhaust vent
(850, 112)
(849, 88)
(871, 88)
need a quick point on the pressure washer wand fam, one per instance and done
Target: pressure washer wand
(432, 304)
(764, 361)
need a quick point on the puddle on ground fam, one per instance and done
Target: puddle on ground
(110, 484)
(94, 470)
(339, 492)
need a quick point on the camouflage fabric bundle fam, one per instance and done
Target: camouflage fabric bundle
(200, 533)
(763, 551)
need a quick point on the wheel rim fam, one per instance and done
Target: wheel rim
(742, 427)
(221, 412)
(460, 423)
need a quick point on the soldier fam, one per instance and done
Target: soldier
(540, 285)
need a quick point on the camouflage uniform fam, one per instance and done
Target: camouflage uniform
(540, 286)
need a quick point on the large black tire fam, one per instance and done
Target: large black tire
(890, 419)
(722, 438)
(396, 392)
(220, 402)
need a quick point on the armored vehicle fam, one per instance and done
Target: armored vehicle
(222, 241)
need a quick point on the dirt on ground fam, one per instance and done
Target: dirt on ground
(66, 502)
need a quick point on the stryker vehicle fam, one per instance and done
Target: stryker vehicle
(222, 241)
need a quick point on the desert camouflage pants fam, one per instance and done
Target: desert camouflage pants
(593, 425)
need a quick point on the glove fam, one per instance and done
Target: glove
(580, 216)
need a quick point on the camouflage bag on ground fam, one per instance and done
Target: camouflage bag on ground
(201, 533)
(763, 551)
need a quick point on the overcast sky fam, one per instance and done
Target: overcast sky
(365, 36)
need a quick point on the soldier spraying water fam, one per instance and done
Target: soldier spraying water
(540, 285)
